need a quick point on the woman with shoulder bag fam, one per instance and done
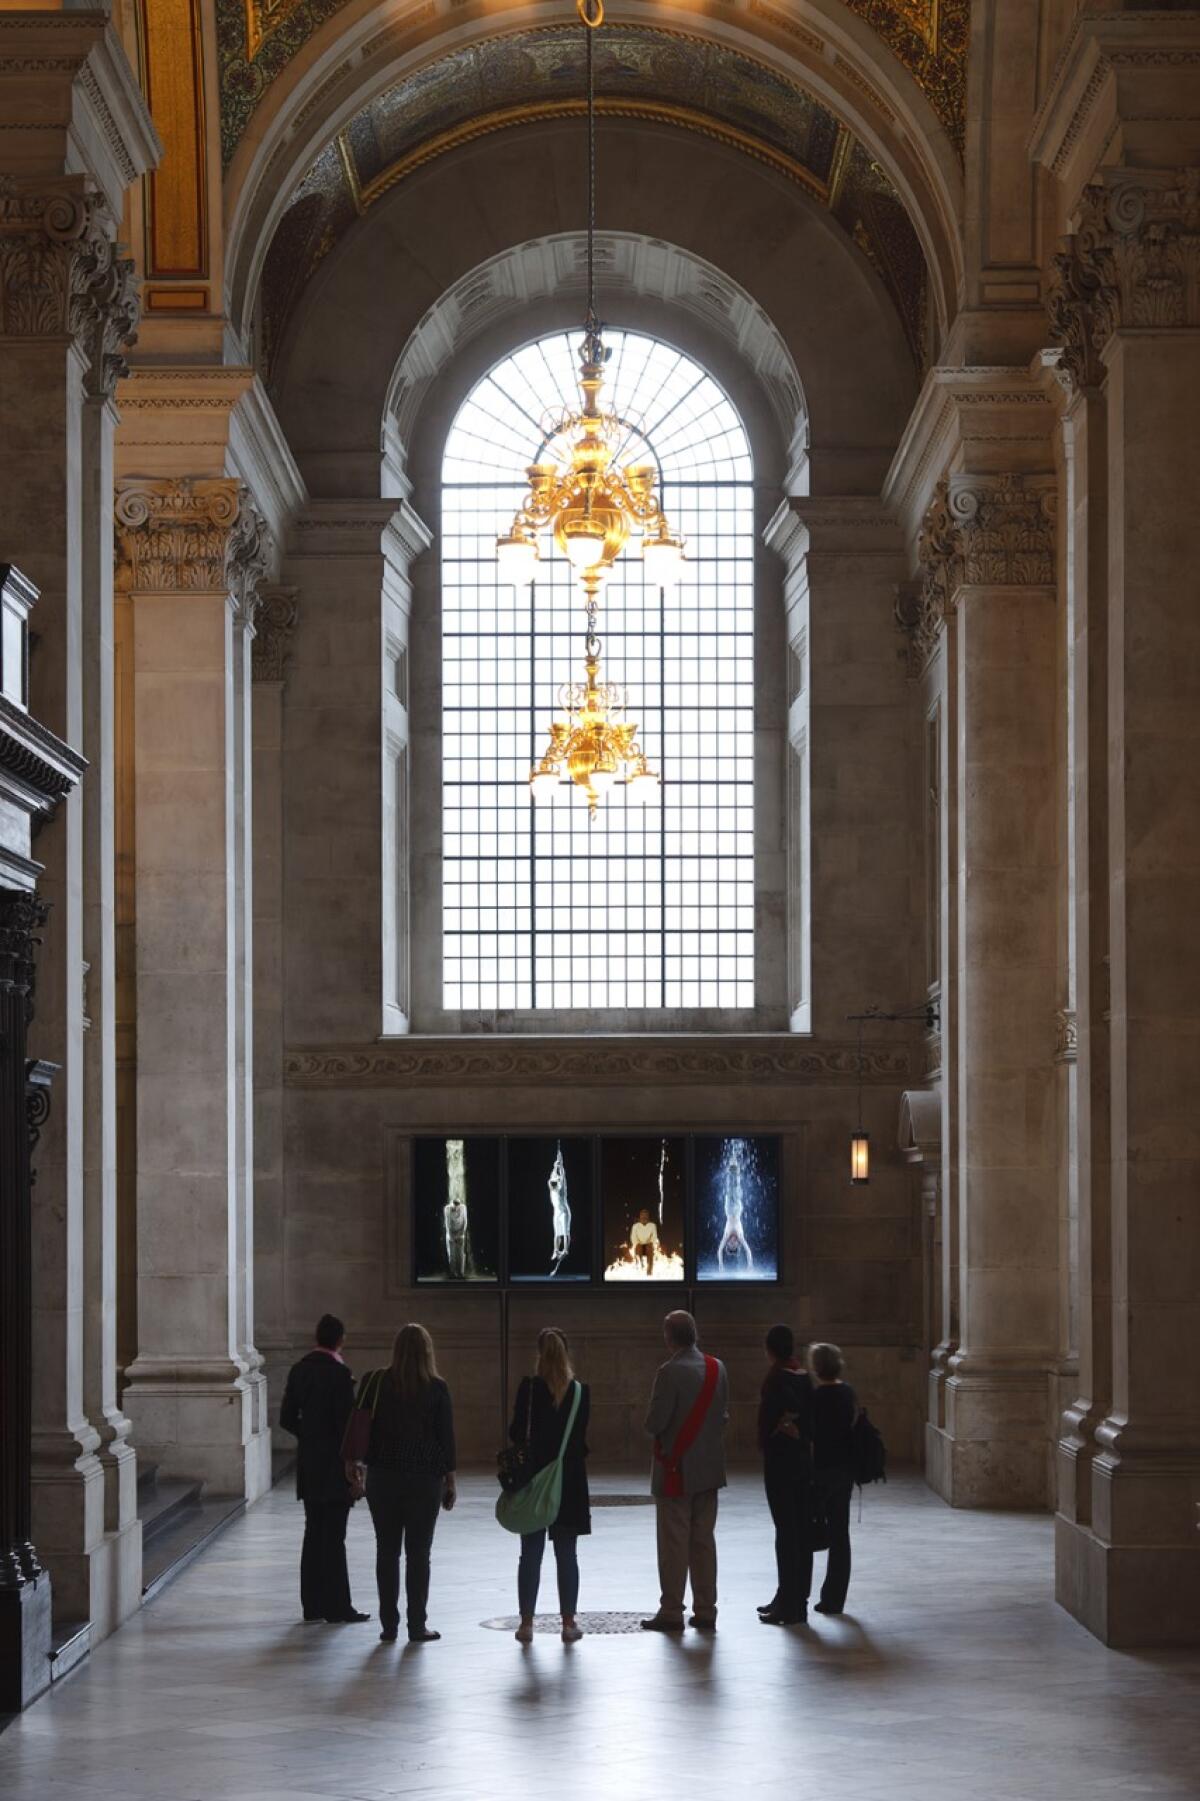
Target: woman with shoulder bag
(410, 1461)
(543, 1426)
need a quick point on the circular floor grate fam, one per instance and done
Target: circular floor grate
(593, 1623)
(622, 1500)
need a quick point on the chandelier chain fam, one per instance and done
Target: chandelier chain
(589, 37)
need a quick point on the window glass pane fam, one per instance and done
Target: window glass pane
(647, 906)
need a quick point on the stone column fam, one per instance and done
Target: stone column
(190, 553)
(1129, 290)
(988, 555)
(273, 630)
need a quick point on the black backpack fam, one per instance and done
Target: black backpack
(867, 1451)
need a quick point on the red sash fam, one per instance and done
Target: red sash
(688, 1432)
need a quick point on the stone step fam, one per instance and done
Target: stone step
(70, 1642)
(161, 1505)
(179, 1543)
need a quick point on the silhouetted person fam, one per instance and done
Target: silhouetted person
(410, 1476)
(316, 1405)
(834, 1410)
(785, 1440)
(689, 1407)
(540, 1415)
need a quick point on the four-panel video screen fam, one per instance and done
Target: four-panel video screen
(581, 1210)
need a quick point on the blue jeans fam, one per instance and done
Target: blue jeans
(529, 1572)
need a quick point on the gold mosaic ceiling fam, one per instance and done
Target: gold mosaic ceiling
(257, 39)
(641, 72)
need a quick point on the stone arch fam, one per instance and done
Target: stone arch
(824, 49)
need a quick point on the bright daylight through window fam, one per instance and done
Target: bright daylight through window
(650, 905)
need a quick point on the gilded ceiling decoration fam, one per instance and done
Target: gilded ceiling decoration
(641, 73)
(258, 38)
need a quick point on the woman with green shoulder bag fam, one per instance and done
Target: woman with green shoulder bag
(549, 1427)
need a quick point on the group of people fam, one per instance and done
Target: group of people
(404, 1463)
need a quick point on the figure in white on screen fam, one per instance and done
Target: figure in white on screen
(734, 1243)
(454, 1214)
(643, 1239)
(560, 1212)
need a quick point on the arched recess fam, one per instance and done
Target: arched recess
(742, 219)
(362, 52)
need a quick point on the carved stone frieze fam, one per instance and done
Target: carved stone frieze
(60, 276)
(780, 1060)
(173, 535)
(274, 624)
(1133, 262)
(995, 531)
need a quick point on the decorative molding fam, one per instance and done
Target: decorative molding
(993, 532)
(1066, 1036)
(471, 1062)
(173, 535)
(60, 275)
(36, 768)
(247, 557)
(274, 624)
(1132, 263)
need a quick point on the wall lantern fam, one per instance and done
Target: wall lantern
(860, 1157)
(860, 1141)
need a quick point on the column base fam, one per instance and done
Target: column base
(24, 1643)
(97, 1573)
(1128, 1596)
(201, 1431)
(994, 1449)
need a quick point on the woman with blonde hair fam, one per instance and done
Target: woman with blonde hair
(540, 1417)
(410, 1475)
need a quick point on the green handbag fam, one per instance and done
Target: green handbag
(535, 1507)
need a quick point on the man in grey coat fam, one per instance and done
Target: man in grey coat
(689, 1408)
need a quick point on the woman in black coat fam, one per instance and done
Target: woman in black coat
(543, 1407)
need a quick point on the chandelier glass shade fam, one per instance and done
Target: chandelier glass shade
(586, 495)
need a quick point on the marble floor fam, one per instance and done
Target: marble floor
(953, 1675)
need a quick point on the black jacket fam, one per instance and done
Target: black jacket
(316, 1405)
(547, 1423)
(786, 1391)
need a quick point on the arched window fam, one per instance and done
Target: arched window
(647, 907)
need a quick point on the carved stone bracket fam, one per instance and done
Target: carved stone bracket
(60, 276)
(173, 535)
(1134, 261)
(274, 625)
(983, 532)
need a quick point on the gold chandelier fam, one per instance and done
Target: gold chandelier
(580, 491)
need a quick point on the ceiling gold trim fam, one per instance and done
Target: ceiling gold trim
(656, 112)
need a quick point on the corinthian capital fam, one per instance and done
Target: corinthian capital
(60, 275)
(1133, 262)
(247, 556)
(274, 624)
(992, 532)
(173, 535)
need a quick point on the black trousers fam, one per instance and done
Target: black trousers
(324, 1579)
(789, 1496)
(835, 1488)
(404, 1513)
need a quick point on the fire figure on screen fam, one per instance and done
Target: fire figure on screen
(560, 1212)
(454, 1214)
(734, 1243)
(643, 1256)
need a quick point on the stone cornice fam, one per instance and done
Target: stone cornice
(342, 528)
(999, 417)
(1133, 263)
(36, 768)
(475, 1062)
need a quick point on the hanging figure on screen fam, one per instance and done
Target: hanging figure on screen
(454, 1213)
(734, 1244)
(662, 1174)
(560, 1212)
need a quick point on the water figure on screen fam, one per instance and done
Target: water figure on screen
(454, 1214)
(560, 1212)
(734, 1244)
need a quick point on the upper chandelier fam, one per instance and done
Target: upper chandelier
(592, 503)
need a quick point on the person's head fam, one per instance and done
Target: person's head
(781, 1344)
(330, 1333)
(554, 1361)
(679, 1330)
(413, 1365)
(644, 1216)
(826, 1362)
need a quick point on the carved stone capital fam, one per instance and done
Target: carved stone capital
(1066, 1036)
(60, 275)
(1134, 261)
(995, 531)
(173, 535)
(22, 917)
(274, 624)
(247, 556)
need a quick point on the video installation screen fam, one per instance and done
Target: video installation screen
(643, 1187)
(736, 1209)
(456, 1209)
(550, 1209)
